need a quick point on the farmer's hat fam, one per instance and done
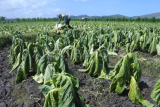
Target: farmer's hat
(59, 15)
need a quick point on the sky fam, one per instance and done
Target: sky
(50, 8)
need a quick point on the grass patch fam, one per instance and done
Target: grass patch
(20, 93)
(6, 40)
(151, 67)
(149, 64)
(30, 37)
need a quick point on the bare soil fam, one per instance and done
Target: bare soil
(95, 91)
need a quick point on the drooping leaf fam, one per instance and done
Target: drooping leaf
(18, 62)
(86, 56)
(62, 91)
(49, 72)
(31, 54)
(39, 49)
(132, 46)
(42, 64)
(158, 49)
(52, 98)
(128, 66)
(77, 51)
(98, 63)
(152, 46)
(66, 49)
(62, 64)
(155, 95)
(69, 96)
(16, 51)
(39, 78)
(21, 75)
(135, 94)
(45, 89)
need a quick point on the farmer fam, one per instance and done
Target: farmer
(64, 17)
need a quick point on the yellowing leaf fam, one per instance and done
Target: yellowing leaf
(135, 94)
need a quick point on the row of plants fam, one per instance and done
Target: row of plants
(89, 49)
(145, 37)
(59, 85)
(92, 48)
(25, 27)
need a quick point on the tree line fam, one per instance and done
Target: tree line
(138, 19)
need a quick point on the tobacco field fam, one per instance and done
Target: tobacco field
(96, 64)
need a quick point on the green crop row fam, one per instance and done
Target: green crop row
(45, 58)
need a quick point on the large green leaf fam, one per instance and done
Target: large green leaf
(57, 45)
(61, 64)
(158, 48)
(116, 69)
(132, 46)
(49, 72)
(144, 42)
(69, 95)
(135, 94)
(52, 98)
(38, 78)
(152, 46)
(66, 49)
(77, 51)
(45, 44)
(43, 62)
(45, 89)
(62, 91)
(128, 66)
(31, 54)
(17, 63)
(26, 61)
(21, 75)
(98, 63)
(39, 49)
(155, 95)
(16, 50)
(86, 56)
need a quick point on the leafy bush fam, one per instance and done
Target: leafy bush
(61, 91)
(127, 72)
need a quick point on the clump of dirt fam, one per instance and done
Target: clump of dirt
(27, 94)
(6, 100)
(24, 94)
(20, 94)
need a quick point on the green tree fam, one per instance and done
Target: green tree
(2, 18)
(138, 19)
(153, 19)
(17, 19)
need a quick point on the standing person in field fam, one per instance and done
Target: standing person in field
(64, 17)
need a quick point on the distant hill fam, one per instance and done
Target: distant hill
(111, 16)
(79, 17)
(156, 15)
(116, 16)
